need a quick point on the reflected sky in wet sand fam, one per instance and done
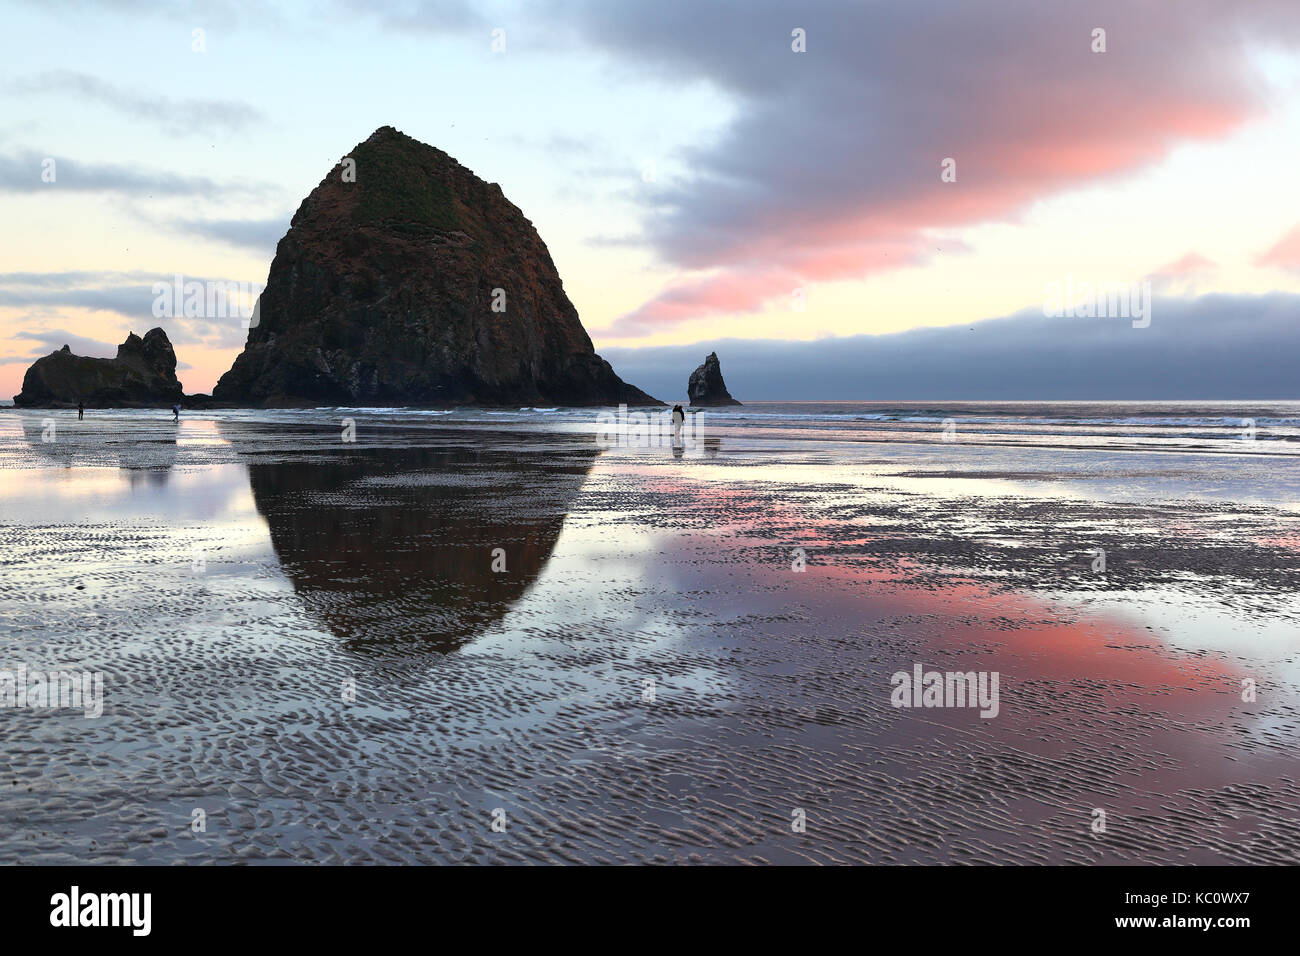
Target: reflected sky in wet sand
(239, 577)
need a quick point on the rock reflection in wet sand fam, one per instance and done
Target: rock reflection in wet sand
(389, 545)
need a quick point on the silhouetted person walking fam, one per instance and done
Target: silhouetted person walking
(176, 413)
(679, 418)
(81, 410)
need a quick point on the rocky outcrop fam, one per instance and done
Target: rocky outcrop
(706, 386)
(143, 374)
(414, 282)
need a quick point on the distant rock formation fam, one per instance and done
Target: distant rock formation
(706, 386)
(143, 374)
(414, 282)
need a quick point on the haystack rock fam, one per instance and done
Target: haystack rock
(706, 386)
(404, 279)
(143, 374)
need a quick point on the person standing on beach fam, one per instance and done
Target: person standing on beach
(81, 410)
(176, 413)
(679, 418)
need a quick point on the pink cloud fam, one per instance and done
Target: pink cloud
(831, 169)
(1184, 275)
(1191, 264)
(739, 290)
(1284, 254)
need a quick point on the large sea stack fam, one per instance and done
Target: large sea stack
(414, 282)
(706, 386)
(142, 375)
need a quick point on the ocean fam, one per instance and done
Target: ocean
(1177, 425)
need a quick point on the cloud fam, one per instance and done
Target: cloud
(1211, 347)
(64, 280)
(178, 117)
(1189, 265)
(610, 241)
(231, 14)
(22, 173)
(129, 295)
(424, 16)
(1183, 275)
(51, 340)
(833, 161)
(258, 235)
(728, 291)
(748, 288)
(1284, 254)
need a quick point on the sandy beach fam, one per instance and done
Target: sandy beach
(372, 651)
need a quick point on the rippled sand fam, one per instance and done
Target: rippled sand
(649, 679)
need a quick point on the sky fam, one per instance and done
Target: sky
(884, 196)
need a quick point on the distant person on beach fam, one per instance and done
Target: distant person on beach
(679, 417)
(176, 413)
(81, 410)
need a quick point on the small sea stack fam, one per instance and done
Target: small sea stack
(706, 387)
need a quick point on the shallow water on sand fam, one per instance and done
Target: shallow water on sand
(317, 644)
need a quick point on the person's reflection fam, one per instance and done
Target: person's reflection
(148, 477)
(394, 545)
(146, 453)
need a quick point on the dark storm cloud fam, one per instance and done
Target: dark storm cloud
(1216, 346)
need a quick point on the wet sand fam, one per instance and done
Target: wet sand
(235, 580)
